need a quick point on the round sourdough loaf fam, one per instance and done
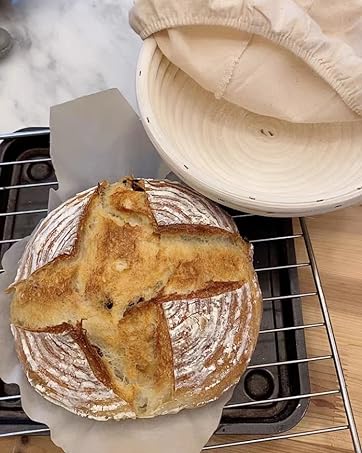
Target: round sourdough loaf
(135, 299)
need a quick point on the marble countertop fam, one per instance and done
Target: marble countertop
(63, 49)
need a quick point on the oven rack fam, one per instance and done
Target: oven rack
(318, 293)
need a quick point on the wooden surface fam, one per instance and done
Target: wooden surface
(337, 244)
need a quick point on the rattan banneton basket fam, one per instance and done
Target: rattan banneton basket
(249, 162)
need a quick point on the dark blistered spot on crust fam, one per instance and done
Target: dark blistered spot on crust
(108, 303)
(98, 350)
(133, 303)
(137, 186)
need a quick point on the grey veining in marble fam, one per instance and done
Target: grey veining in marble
(63, 49)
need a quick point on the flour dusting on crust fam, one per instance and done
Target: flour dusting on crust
(207, 333)
(59, 370)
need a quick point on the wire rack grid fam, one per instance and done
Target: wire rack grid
(325, 323)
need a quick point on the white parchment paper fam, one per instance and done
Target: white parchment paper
(94, 138)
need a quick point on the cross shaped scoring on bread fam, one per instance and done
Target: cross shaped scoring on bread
(136, 248)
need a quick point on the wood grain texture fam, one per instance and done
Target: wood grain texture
(338, 247)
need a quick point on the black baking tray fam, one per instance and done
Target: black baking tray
(256, 384)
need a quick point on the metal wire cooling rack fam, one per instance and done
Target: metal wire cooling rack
(218, 443)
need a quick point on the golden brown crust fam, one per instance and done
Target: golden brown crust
(147, 357)
(212, 289)
(109, 294)
(196, 229)
(94, 200)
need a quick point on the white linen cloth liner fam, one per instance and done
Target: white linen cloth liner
(299, 61)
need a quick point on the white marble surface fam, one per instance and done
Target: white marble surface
(63, 49)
